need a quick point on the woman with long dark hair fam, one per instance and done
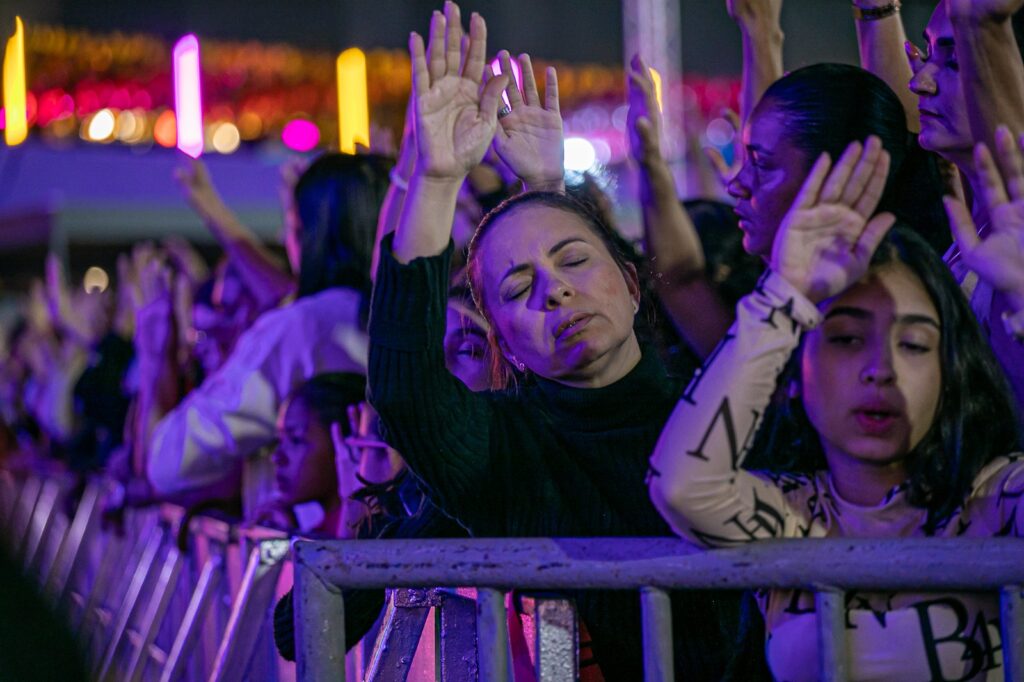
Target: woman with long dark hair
(813, 110)
(890, 381)
(196, 450)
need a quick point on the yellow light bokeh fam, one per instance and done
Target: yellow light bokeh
(225, 138)
(96, 280)
(353, 107)
(656, 77)
(15, 106)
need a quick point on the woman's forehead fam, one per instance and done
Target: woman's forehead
(530, 230)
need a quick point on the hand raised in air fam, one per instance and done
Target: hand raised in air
(455, 118)
(826, 241)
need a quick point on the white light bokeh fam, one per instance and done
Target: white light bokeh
(580, 155)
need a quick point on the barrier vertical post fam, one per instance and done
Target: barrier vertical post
(656, 621)
(1011, 616)
(492, 635)
(319, 626)
(831, 607)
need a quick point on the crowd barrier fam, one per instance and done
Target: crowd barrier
(651, 565)
(145, 610)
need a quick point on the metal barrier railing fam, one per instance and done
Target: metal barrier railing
(652, 566)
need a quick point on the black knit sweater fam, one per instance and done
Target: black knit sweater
(546, 460)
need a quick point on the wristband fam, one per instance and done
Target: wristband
(398, 181)
(876, 13)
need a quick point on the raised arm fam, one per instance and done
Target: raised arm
(761, 30)
(267, 279)
(991, 70)
(441, 429)
(881, 40)
(824, 244)
(998, 256)
(670, 239)
(455, 122)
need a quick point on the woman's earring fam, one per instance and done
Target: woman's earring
(520, 365)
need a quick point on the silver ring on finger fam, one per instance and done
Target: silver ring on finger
(504, 111)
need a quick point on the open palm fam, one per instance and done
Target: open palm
(529, 138)
(455, 118)
(826, 241)
(998, 258)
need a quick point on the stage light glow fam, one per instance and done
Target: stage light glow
(225, 138)
(15, 104)
(301, 135)
(580, 155)
(517, 73)
(165, 130)
(353, 106)
(96, 280)
(101, 126)
(656, 77)
(188, 106)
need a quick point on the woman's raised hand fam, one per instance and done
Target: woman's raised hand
(455, 118)
(529, 136)
(998, 257)
(826, 241)
(644, 118)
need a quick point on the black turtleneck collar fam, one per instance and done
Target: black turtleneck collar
(646, 392)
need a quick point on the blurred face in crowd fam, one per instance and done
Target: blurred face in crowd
(871, 373)
(771, 176)
(944, 125)
(559, 302)
(466, 353)
(304, 458)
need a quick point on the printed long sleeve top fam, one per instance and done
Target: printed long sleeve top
(708, 498)
(233, 413)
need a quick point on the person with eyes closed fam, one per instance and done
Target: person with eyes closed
(969, 79)
(889, 381)
(817, 109)
(563, 454)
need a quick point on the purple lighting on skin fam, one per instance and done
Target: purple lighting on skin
(517, 73)
(300, 135)
(188, 106)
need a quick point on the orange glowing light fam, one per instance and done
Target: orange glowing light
(165, 130)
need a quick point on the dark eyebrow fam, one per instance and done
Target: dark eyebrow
(913, 318)
(862, 314)
(562, 244)
(858, 313)
(515, 269)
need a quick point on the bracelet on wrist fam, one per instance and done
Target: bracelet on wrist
(875, 13)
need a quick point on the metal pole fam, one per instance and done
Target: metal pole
(319, 626)
(557, 640)
(832, 659)
(1011, 616)
(492, 635)
(656, 620)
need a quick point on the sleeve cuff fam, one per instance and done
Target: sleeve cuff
(778, 294)
(407, 312)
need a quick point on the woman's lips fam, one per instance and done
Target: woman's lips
(875, 422)
(573, 326)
